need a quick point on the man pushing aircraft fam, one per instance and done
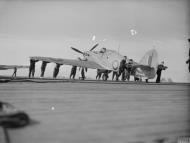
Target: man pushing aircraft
(56, 70)
(73, 72)
(122, 68)
(188, 61)
(43, 67)
(15, 71)
(32, 67)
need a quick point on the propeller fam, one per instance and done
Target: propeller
(77, 50)
(94, 47)
(84, 52)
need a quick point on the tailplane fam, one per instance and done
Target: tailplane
(150, 59)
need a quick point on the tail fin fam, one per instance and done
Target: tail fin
(150, 58)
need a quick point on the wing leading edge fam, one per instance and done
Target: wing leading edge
(78, 63)
(6, 67)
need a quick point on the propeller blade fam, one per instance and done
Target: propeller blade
(77, 50)
(94, 47)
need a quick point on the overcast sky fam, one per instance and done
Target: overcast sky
(50, 28)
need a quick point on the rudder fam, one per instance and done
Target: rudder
(150, 59)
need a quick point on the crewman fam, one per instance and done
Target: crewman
(73, 72)
(129, 68)
(114, 74)
(103, 50)
(99, 74)
(82, 72)
(43, 67)
(188, 61)
(105, 75)
(122, 68)
(32, 67)
(56, 70)
(15, 71)
(159, 71)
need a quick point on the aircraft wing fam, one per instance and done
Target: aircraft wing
(6, 67)
(78, 63)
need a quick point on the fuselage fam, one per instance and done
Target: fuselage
(108, 59)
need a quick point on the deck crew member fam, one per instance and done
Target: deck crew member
(15, 71)
(103, 50)
(188, 61)
(114, 74)
(122, 68)
(32, 67)
(73, 72)
(43, 67)
(129, 68)
(56, 70)
(82, 72)
(99, 74)
(105, 75)
(159, 71)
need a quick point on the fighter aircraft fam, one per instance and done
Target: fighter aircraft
(106, 59)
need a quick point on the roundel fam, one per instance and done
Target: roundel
(115, 64)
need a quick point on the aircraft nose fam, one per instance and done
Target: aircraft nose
(86, 54)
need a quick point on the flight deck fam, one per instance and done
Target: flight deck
(74, 111)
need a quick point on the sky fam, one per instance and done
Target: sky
(132, 27)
